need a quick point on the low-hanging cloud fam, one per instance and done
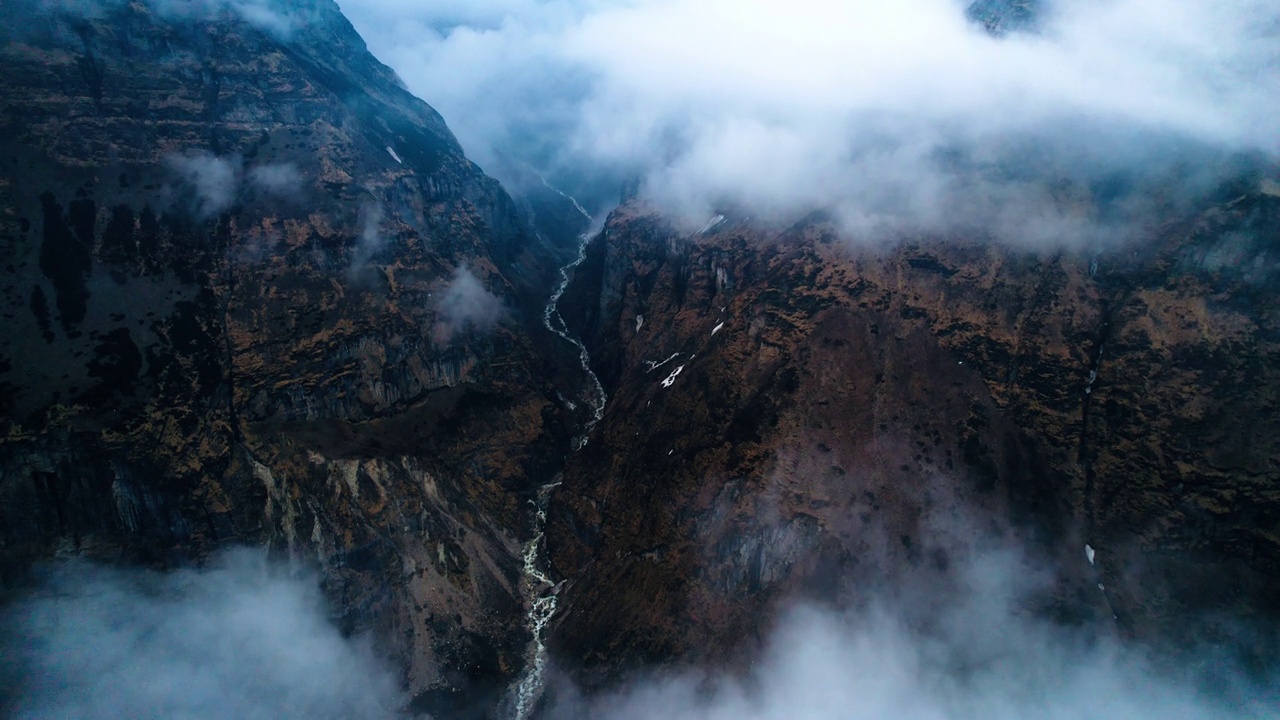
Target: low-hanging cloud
(273, 17)
(369, 244)
(214, 180)
(971, 652)
(240, 639)
(278, 179)
(465, 304)
(208, 184)
(903, 115)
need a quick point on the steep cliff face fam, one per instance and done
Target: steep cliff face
(793, 414)
(253, 292)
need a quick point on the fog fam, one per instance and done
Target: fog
(282, 180)
(465, 304)
(214, 181)
(368, 245)
(968, 651)
(240, 639)
(245, 639)
(892, 116)
(206, 184)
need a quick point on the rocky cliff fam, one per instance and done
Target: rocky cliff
(795, 414)
(253, 292)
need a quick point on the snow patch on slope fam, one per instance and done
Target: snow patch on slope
(672, 377)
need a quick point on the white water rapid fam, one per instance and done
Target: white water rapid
(538, 588)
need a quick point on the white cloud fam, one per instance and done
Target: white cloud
(240, 639)
(280, 179)
(465, 304)
(214, 180)
(962, 652)
(892, 114)
(272, 17)
(370, 242)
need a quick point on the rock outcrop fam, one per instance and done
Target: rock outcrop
(242, 267)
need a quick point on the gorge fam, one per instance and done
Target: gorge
(766, 387)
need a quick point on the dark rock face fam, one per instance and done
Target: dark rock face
(1000, 17)
(793, 414)
(224, 245)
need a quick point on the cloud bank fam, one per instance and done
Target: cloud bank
(890, 115)
(238, 640)
(974, 653)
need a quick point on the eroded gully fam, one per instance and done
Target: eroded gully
(537, 586)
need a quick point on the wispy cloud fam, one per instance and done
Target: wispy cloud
(370, 242)
(277, 18)
(465, 304)
(279, 179)
(213, 180)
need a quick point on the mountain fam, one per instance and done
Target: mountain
(253, 292)
(793, 414)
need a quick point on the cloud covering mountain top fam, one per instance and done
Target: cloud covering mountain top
(900, 115)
